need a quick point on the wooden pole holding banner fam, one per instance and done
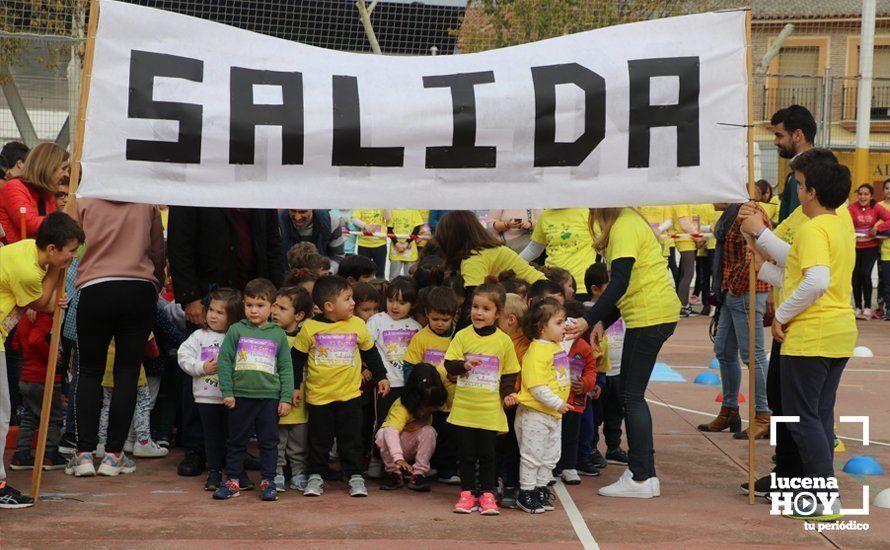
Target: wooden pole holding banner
(752, 275)
(56, 335)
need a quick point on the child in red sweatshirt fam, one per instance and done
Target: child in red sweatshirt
(32, 339)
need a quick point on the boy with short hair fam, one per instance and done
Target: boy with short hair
(256, 379)
(357, 269)
(333, 346)
(429, 346)
(293, 305)
(29, 273)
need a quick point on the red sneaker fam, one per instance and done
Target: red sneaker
(467, 503)
(488, 506)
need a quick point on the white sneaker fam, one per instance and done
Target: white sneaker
(357, 486)
(116, 463)
(628, 488)
(314, 486)
(100, 450)
(570, 477)
(129, 446)
(80, 465)
(148, 449)
(375, 469)
(299, 482)
(866, 314)
(279, 483)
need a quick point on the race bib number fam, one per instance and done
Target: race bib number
(561, 367)
(209, 352)
(335, 350)
(616, 331)
(576, 365)
(12, 319)
(486, 376)
(434, 357)
(395, 344)
(256, 354)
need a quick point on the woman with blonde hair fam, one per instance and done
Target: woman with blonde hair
(46, 167)
(640, 291)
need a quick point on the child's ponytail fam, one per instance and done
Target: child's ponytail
(423, 388)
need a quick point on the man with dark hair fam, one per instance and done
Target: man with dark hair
(315, 226)
(795, 129)
(12, 160)
(212, 248)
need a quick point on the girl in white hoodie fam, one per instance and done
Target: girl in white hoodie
(197, 357)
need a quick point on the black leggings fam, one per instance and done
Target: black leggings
(477, 446)
(641, 347)
(378, 255)
(703, 277)
(862, 287)
(687, 270)
(125, 311)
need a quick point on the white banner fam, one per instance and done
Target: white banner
(189, 112)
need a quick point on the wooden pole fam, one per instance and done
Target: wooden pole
(752, 276)
(22, 212)
(56, 334)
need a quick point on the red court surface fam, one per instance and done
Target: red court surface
(700, 506)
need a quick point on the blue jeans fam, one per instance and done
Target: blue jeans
(732, 340)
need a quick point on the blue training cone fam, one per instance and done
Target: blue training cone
(714, 364)
(708, 378)
(864, 466)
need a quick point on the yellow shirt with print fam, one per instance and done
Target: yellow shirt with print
(401, 419)
(827, 328)
(655, 216)
(566, 233)
(21, 283)
(494, 261)
(300, 413)
(477, 398)
(706, 216)
(683, 211)
(428, 347)
(334, 367)
(375, 223)
(403, 222)
(650, 298)
(545, 364)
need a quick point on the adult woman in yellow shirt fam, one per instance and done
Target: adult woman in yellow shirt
(642, 292)
(686, 246)
(372, 222)
(565, 235)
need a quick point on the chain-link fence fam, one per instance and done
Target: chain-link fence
(815, 63)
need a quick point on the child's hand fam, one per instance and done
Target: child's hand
(229, 402)
(63, 301)
(511, 401)
(297, 398)
(565, 408)
(471, 364)
(31, 315)
(401, 247)
(596, 336)
(366, 375)
(596, 391)
(383, 387)
(210, 366)
(405, 466)
(577, 386)
(284, 409)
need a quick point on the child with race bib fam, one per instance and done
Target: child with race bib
(484, 361)
(197, 356)
(257, 382)
(407, 434)
(293, 305)
(543, 399)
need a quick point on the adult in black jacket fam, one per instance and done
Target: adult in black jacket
(211, 248)
(315, 226)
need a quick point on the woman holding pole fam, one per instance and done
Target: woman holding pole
(642, 290)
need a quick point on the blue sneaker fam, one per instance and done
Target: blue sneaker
(268, 491)
(228, 490)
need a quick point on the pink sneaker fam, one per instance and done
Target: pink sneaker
(467, 503)
(488, 506)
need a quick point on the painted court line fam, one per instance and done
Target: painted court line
(703, 413)
(578, 523)
(845, 369)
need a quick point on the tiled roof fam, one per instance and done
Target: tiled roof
(809, 9)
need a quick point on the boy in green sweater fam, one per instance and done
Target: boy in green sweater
(257, 382)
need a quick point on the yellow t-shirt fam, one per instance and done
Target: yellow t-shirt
(403, 222)
(299, 414)
(827, 328)
(428, 347)
(21, 283)
(655, 216)
(494, 261)
(705, 215)
(771, 208)
(545, 364)
(477, 398)
(566, 233)
(108, 375)
(334, 368)
(402, 420)
(683, 211)
(650, 298)
(374, 221)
